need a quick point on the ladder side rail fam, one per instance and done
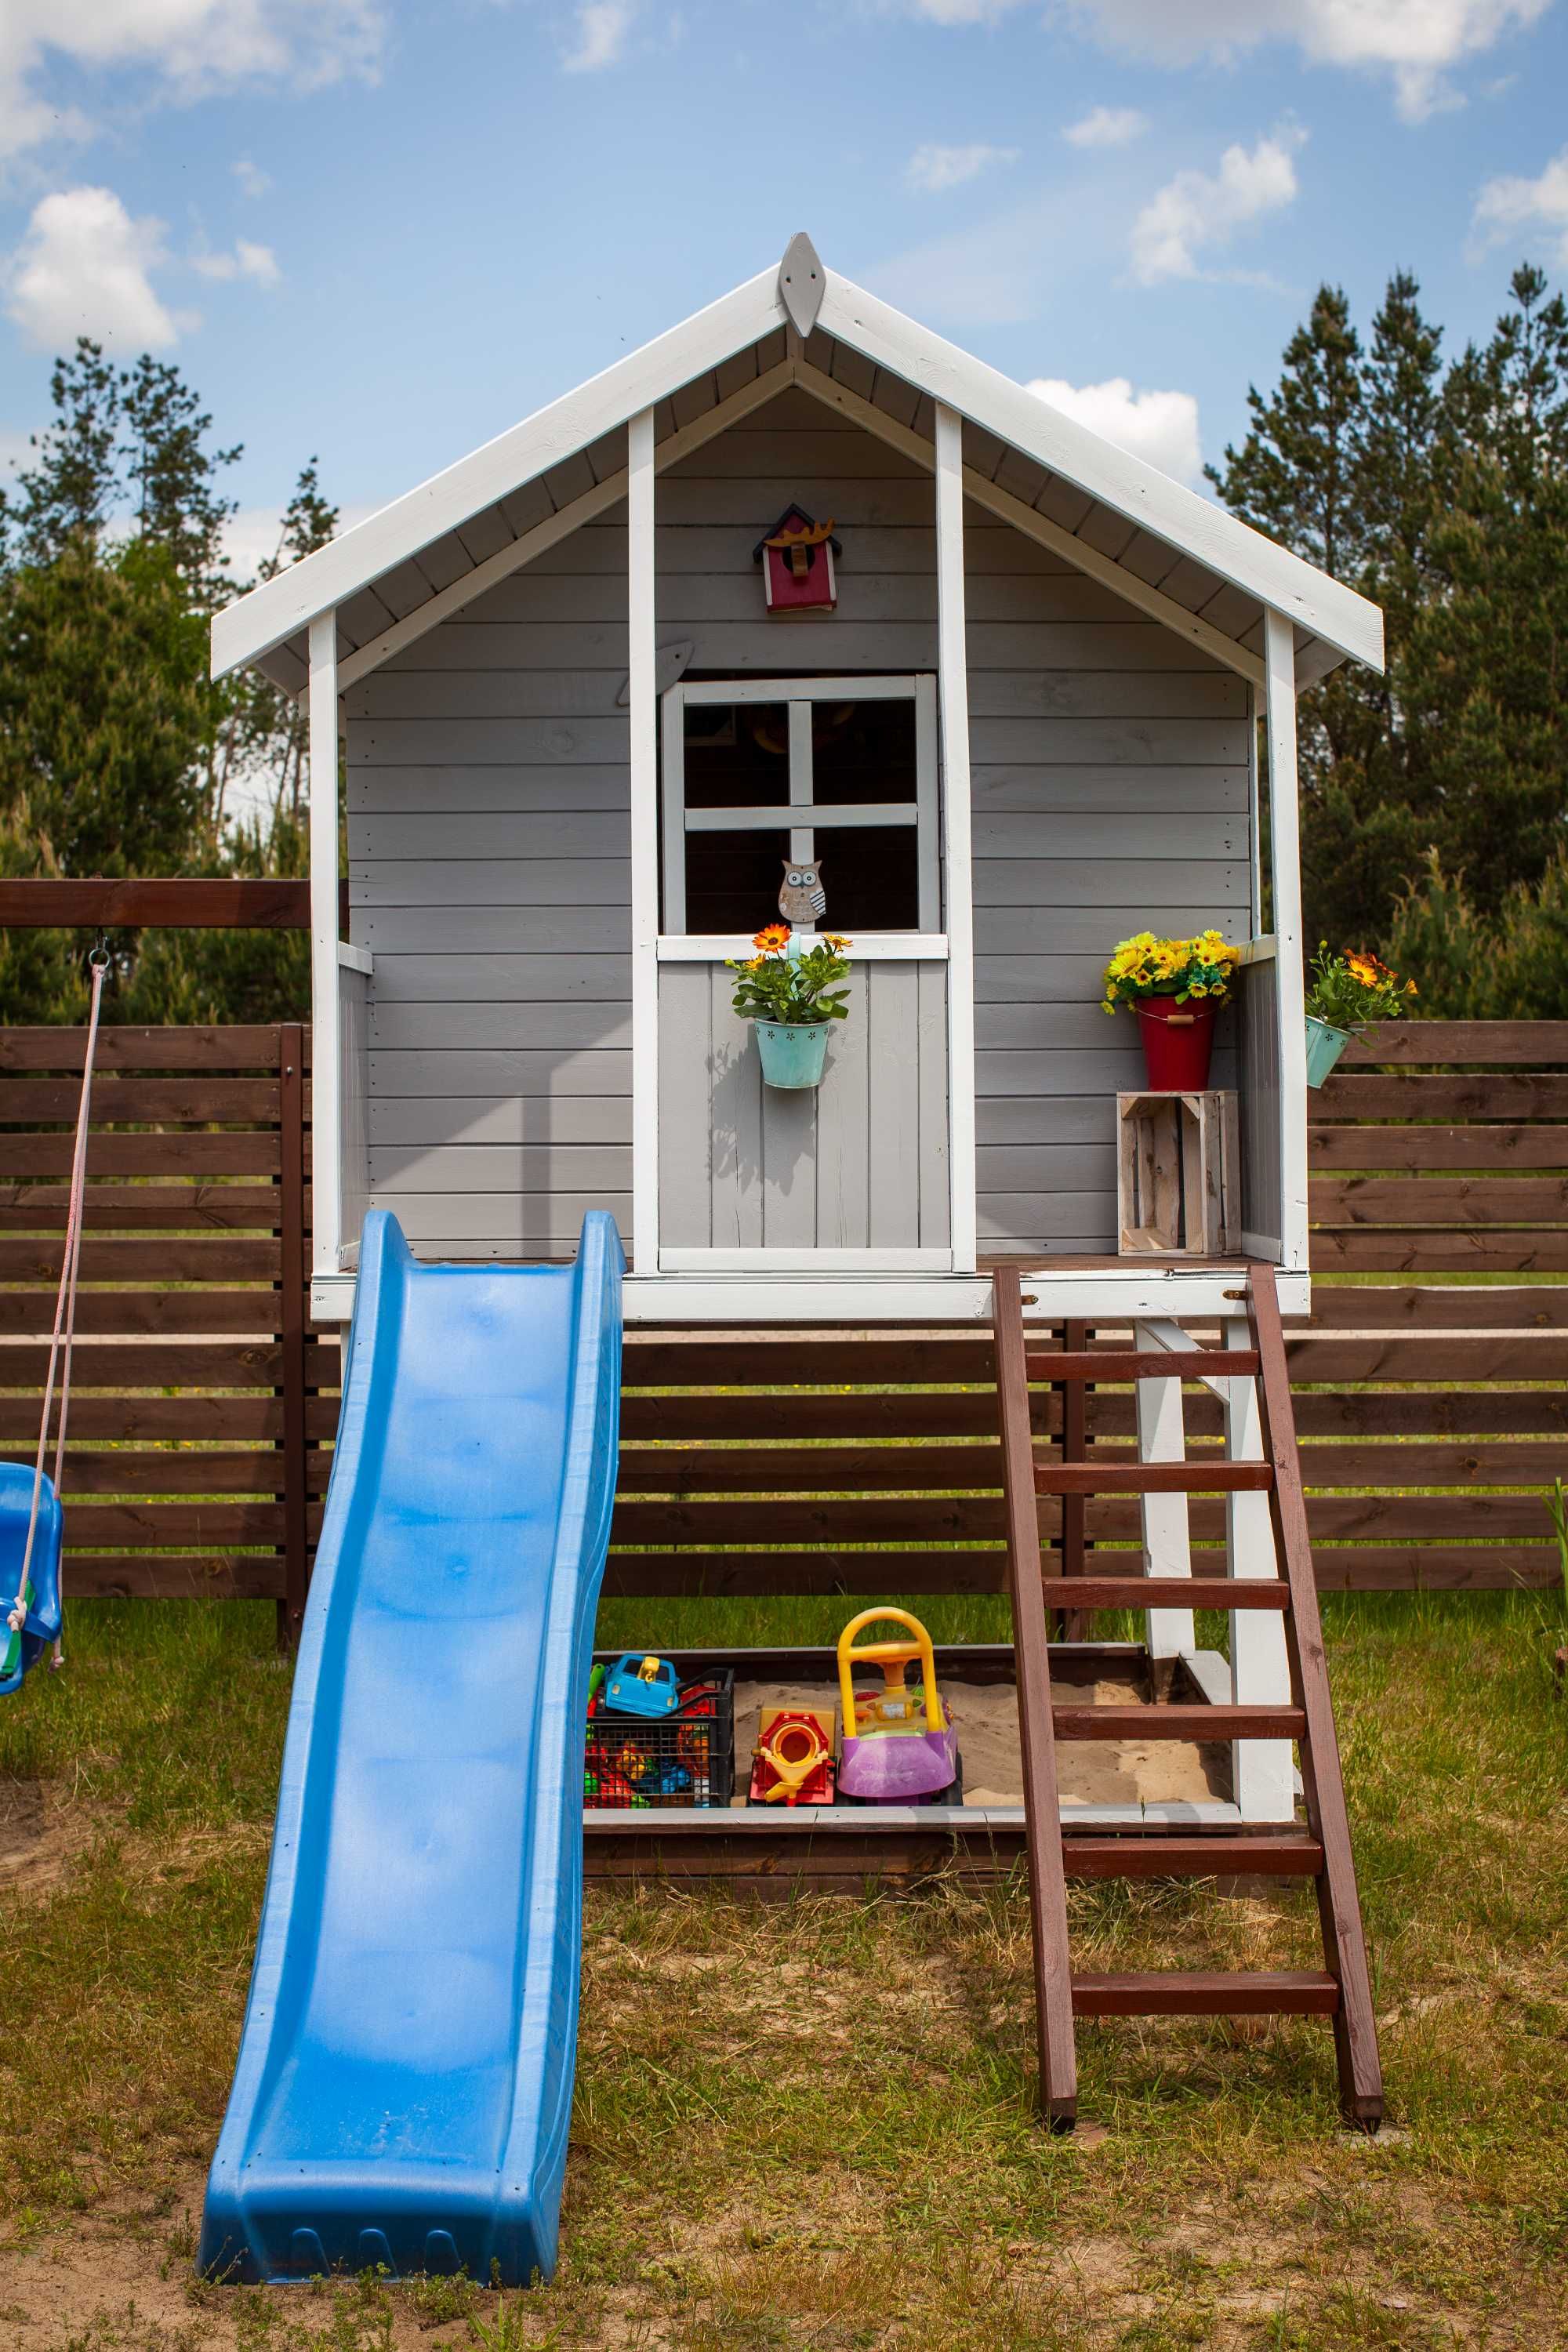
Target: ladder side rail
(1072, 1625)
(1345, 1942)
(1036, 1735)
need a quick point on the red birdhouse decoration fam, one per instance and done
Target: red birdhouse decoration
(797, 557)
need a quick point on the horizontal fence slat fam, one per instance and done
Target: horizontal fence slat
(1436, 1568)
(919, 1518)
(1429, 1356)
(126, 1470)
(631, 1574)
(202, 1101)
(1417, 1148)
(150, 1208)
(1438, 1200)
(199, 1259)
(193, 1417)
(823, 1469)
(1459, 1250)
(752, 1359)
(152, 1576)
(1493, 1042)
(1442, 1096)
(218, 1364)
(92, 1525)
(212, 1049)
(232, 1153)
(99, 1313)
(915, 1413)
(187, 903)
(1438, 1307)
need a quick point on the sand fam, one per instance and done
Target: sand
(986, 1717)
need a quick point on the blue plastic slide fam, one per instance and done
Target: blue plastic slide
(40, 1628)
(404, 2075)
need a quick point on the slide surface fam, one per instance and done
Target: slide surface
(404, 2075)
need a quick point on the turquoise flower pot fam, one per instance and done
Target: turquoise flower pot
(1325, 1043)
(792, 1052)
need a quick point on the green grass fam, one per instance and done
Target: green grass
(810, 2124)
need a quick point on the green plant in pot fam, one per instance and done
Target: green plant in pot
(1348, 993)
(793, 995)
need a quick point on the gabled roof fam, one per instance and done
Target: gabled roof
(1167, 550)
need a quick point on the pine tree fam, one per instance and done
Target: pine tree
(1487, 718)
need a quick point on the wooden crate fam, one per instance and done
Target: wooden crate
(1177, 1174)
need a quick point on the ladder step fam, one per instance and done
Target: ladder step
(1161, 1364)
(1293, 1992)
(1166, 1592)
(1178, 1722)
(1153, 1853)
(1096, 1477)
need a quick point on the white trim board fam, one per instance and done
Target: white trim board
(1120, 1293)
(277, 608)
(870, 947)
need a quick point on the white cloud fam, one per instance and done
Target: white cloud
(258, 262)
(1107, 126)
(1199, 208)
(85, 268)
(934, 168)
(1160, 426)
(1507, 205)
(961, 12)
(602, 29)
(189, 49)
(253, 180)
(1417, 41)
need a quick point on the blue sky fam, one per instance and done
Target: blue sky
(381, 230)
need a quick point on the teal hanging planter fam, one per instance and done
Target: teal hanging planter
(1325, 1043)
(792, 1052)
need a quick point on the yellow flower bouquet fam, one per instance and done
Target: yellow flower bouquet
(1184, 969)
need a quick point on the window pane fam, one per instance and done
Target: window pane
(733, 880)
(863, 752)
(737, 754)
(869, 877)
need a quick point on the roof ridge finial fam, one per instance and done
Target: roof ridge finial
(801, 283)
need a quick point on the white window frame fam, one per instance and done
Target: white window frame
(801, 818)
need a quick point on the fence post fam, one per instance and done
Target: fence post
(291, 1137)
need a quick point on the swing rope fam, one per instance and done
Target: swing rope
(64, 1334)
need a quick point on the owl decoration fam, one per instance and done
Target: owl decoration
(803, 899)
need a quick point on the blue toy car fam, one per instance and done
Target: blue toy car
(645, 1686)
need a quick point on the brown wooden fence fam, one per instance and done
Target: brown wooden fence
(1433, 1411)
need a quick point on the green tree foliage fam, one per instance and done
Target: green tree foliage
(1443, 496)
(117, 754)
(1510, 965)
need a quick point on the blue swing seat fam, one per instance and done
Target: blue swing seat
(41, 1629)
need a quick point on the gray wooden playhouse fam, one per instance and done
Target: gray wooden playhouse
(581, 732)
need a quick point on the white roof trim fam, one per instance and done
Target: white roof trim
(278, 608)
(1230, 548)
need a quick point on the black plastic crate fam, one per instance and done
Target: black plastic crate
(634, 1763)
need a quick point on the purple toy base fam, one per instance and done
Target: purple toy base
(898, 1768)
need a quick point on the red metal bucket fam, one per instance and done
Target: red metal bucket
(1178, 1041)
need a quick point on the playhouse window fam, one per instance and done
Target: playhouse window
(760, 775)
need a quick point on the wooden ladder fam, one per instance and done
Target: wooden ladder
(1342, 1989)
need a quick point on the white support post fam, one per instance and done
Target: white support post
(326, 1109)
(1285, 848)
(952, 687)
(1167, 1535)
(643, 698)
(1263, 1781)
